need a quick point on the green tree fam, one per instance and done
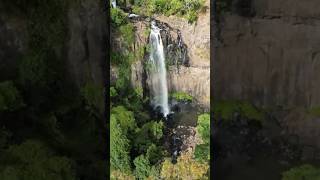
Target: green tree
(203, 127)
(185, 168)
(202, 151)
(143, 167)
(147, 134)
(119, 147)
(154, 153)
(113, 92)
(93, 95)
(304, 172)
(125, 119)
(156, 129)
(10, 98)
(4, 137)
(32, 160)
(118, 17)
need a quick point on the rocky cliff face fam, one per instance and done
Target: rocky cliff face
(12, 44)
(192, 77)
(86, 44)
(270, 57)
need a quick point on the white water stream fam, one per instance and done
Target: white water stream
(158, 73)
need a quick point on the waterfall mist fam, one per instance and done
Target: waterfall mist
(157, 71)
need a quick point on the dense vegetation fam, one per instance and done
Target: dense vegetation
(306, 172)
(49, 128)
(188, 9)
(202, 151)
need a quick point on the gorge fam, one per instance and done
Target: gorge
(155, 75)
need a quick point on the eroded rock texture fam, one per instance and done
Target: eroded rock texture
(270, 57)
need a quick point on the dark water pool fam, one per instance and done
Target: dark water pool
(187, 115)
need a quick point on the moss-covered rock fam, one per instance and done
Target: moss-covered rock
(226, 110)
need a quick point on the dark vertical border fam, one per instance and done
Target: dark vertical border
(213, 31)
(106, 75)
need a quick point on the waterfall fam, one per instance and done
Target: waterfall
(114, 3)
(158, 73)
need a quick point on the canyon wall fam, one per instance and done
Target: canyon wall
(87, 45)
(84, 50)
(271, 57)
(268, 53)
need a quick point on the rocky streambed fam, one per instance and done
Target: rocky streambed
(180, 129)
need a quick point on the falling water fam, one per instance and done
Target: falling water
(158, 74)
(114, 3)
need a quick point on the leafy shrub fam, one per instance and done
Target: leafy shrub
(118, 17)
(185, 8)
(304, 172)
(139, 92)
(119, 147)
(117, 175)
(154, 153)
(93, 95)
(192, 16)
(185, 168)
(10, 98)
(5, 135)
(113, 92)
(119, 59)
(146, 135)
(203, 127)
(127, 33)
(202, 152)
(226, 109)
(125, 119)
(144, 7)
(123, 80)
(143, 167)
(34, 160)
(182, 96)
(174, 7)
(156, 129)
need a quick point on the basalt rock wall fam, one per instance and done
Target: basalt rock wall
(271, 56)
(268, 53)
